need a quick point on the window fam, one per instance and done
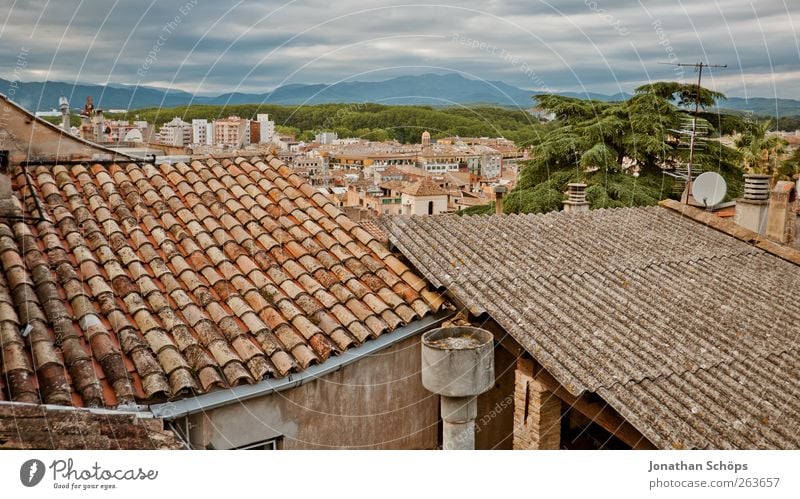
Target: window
(430, 207)
(271, 444)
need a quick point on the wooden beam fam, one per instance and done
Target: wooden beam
(602, 414)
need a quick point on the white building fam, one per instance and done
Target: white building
(175, 133)
(202, 132)
(437, 165)
(346, 141)
(246, 138)
(484, 161)
(423, 197)
(134, 135)
(266, 129)
(325, 138)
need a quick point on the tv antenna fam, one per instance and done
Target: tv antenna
(693, 134)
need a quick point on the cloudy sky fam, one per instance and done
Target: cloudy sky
(253, 46)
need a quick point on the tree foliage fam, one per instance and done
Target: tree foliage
(481, 209)
(761, 152)
(620, 149)
(685, 94)
(790, 166)
(368, 121)
(601, 135)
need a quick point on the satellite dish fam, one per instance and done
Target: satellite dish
(709, 189)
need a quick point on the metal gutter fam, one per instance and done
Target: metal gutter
(219, 398)
(134, 410)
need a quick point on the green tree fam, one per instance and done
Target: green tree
(620, 149)
(790, 166)
(684, 94)
(761, 152)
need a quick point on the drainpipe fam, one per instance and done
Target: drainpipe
(458, 365)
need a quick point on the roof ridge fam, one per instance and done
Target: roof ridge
(734, 230)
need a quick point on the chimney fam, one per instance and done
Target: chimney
(63, 105)
(751, 210)
(99, 126)
(781, 217)
(458, 365)
(576, 198)
(499, 191)
(86, 130)
(6, 193)
(756, 187)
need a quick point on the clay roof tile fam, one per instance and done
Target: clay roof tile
(191, 277)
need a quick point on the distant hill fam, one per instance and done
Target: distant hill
(431, 89)
(43, 96)
(762, 106)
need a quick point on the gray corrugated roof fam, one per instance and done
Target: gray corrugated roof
(655, 312)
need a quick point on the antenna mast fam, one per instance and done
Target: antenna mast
(693, 135)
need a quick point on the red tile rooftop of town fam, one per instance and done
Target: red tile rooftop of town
(137, 282)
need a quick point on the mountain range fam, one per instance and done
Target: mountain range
(431, 89)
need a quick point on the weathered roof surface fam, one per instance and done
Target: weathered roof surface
(144, 282)
(424, 187)
(689, 333)
(27, 426)
(458, 178)
(373, 228)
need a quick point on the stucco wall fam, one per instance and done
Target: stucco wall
(418, 205)
(377, 402)
(494, 426)
(27, 137)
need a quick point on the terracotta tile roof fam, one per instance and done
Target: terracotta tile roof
(424, 187)
(393, 185)
(374, 228)
(26, 426)
(459, 178)
(145, 282)
(687, 332)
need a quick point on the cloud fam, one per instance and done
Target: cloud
(596, 45)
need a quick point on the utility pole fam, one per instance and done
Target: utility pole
(699, 66)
